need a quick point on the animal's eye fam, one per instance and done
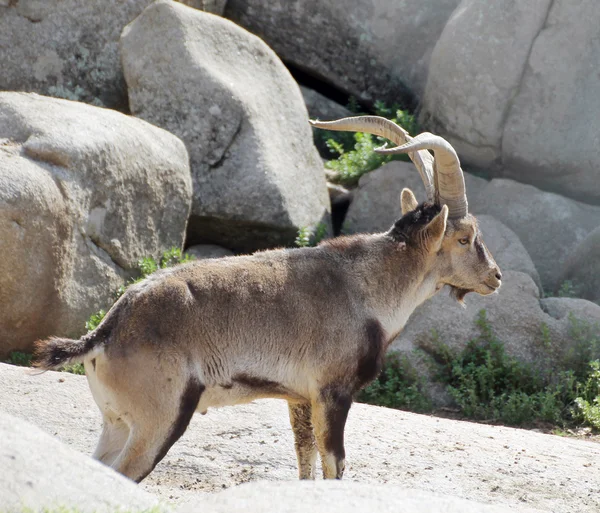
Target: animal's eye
(464, 241)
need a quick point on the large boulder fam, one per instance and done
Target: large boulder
(39, 473)
(552, 132)
(371, 49)
(257, 175)
(549, 225)
(533, 331)
(474, 73)
(513, 86)
(66, 48)
(376, 201)
(582, 267)
(85, 193)
(254, 442)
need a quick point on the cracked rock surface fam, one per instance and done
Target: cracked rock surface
(256, 173)
(514, 87)
(512, 469)
(85, 193)
(65, 48)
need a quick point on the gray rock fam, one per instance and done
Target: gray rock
(506, 247)
(321, 107)
(254, 442)
(570, 307)
(376, 202)
(372, 49)
(535, 332)
(549, 226)
(205, 251)
(512, 86)
(66, 48)
(257, 176)
(582, 267)
(38, 473)
(84, 194)
(474, 73)
(212, 6)
(336, 497)
(552, 132)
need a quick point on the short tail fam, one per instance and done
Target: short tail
(55, 352)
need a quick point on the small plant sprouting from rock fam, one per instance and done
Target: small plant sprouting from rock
(308, 237)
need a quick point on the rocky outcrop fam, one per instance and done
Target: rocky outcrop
(257, 176)
(371, 49)
(582, 267)
(512, 85)
(552, 132)
(549, 225)
(228, 446)
(84, 194)
(38, 474)
(66, 48)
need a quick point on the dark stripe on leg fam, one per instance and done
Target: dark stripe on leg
(189, 402)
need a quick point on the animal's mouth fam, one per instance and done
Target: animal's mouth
(492, 287)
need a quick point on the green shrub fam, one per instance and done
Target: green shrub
(489, 385)
(398, 386)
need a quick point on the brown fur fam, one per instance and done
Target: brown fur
(307, 325)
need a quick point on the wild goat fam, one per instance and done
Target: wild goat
(309, 325)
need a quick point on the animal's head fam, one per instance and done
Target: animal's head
(445, 232)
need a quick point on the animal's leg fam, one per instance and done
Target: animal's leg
(304, 438)
(112, 440)
(153, 431)
(329, 414)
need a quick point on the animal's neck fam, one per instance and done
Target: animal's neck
(399, 284)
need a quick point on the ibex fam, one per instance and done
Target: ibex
(308, 325)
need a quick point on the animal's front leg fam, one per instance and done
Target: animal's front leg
(304, 438)
(329, 414)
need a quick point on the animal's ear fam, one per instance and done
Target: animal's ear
(436, 229)
(408, 202)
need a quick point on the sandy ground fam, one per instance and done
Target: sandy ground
(229, 446)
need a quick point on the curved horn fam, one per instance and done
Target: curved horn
(449, 181)
(383, 127)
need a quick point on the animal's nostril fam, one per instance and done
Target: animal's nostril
(499, 275)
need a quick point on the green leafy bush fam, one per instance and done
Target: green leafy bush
(398, 386)
(489, 385)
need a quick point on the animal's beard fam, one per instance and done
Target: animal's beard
(459, 294)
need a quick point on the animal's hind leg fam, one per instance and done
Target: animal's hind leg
(304, 438)
(112, 440)
(153, 432)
